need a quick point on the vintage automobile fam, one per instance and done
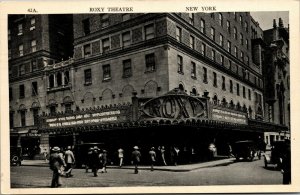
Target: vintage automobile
(278, 150)
(81, 152)
(15, 155)
(246, 149)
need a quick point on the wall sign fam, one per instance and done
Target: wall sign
(229, 116)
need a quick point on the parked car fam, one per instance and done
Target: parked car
(15, 155)
(278, 150)
(81, 152)
(246, 149)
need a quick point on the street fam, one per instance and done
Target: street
(233, 173)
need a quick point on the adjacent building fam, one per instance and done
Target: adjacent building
(184, 79)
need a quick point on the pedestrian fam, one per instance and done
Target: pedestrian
(45, 155)
(261, 147)
(103, 158)
(176, 155)
(229, 150)
(56, 162)
(88, 159)
(286, 164)
(95, 160)
(162, 153)
(152, 154)
(136, 157)
(70, 161)
(121, 156)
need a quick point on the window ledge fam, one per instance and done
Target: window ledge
(106, 79)
(180, 72)
(150, 71)
(87, 83)
(193, 77)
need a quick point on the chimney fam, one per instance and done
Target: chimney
(280, 23)
(274, 23)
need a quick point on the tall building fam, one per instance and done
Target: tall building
(185, 79)
(34, 42)
(277, 76)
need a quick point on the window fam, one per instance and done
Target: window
(33, 45)
(247, 60)
(215, 79)
(235, 15)
(212, 33)
(246, 26)
(180, 64)
(242, 56)
(106, 72)
(192, 42)
(231, 86)
(127, 72)
(204, 75)
(150, 62)
(247, 44)
(104, 20)
(191, 18)
(202, 26)
(105, 45)
(229, 46)
(20, 29)
(178, 34)
(236, 52)
(220, 19)
(33, 66)
(35, 114)
(230, 64)
(87, 76)
(51, 81)
(87, 49)
(203, 49)
(238, 89)
(21, 91)
(86, 26)
(241, 39)
(68, 108)
(234, 33)
(58, 79)
(244, 92)
(32, 24)
(23, 118)
(8, 35)
(126, 39)
(21, 52)
(221, 40)
(149, 31)
(34, 88)
(67, 77)
(213, 55)
(249, 94)
(21, 69)
(222, 60)
(241, 20)
(193, 72)
(228, 26)
(125, 17)
(223, 83)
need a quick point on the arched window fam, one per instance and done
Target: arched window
(231, 104)
(238, 106)
(67, 78)
(215, 100)
(224, 102)
(58, 79)
(194, 92)
(181, 88)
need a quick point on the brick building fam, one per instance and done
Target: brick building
(119, 58)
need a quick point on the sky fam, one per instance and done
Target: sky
(265, 19)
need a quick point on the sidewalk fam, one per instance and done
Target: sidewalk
(178, 168)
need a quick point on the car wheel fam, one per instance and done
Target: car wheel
(15, 159)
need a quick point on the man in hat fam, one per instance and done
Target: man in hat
(95, 160)
(56, 162)
(136, 157)
(104, 161)
(152, 154)
(70, 160)
(88, 163)
(121, 156)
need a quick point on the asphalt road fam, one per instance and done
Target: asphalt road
(237, 173)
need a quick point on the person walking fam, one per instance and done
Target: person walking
(286, 164)
(121, 156)
(136, 157)
(103, 158)
(152, 154)
(176, 155)
(56, 162)
(95, 160)
(70, 160)
(162, 153)
(88, 159)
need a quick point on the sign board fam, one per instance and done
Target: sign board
(229, 116)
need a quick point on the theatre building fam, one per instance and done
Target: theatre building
(171, 79)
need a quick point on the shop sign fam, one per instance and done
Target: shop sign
(229, 116)
(33, 133)
(174, 107)
(87, 118)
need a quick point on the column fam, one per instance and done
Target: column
(55, 82)
(63, 78)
